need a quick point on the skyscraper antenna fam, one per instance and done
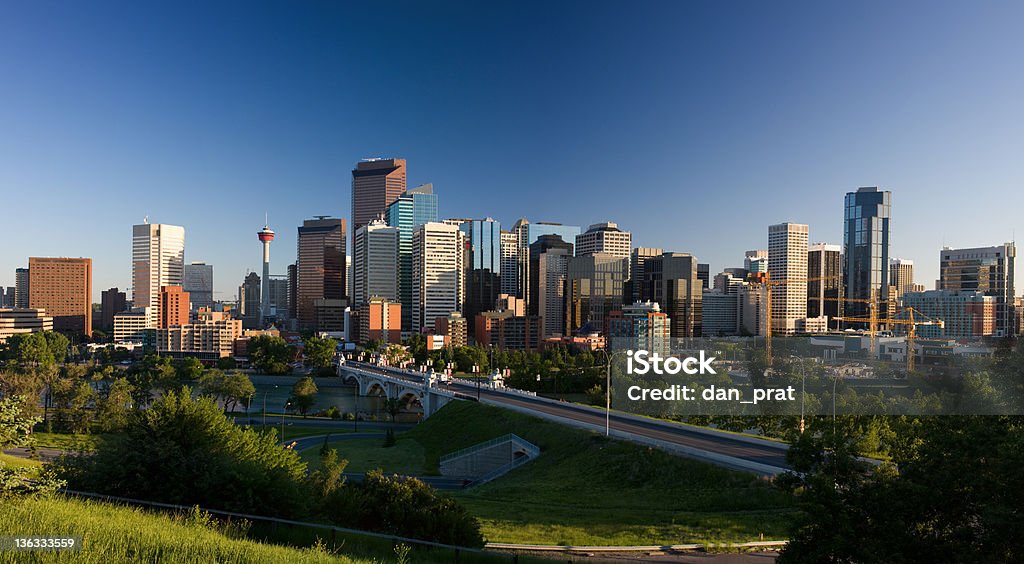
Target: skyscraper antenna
(266, 219)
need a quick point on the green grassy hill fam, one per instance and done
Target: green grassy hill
(586, 489)
(115, 534)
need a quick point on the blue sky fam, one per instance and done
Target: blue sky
(692, 124)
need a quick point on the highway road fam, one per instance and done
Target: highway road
(706, 440)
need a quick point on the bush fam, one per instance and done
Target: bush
(185, 451)
(403, 506)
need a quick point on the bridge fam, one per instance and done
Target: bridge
(409, 387)
(739, 452)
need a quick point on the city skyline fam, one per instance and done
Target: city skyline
(740, 135)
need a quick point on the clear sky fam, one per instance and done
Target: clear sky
(692, 124)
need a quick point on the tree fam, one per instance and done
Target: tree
(230, 389)
(331, 474)
(72, 398)
(114, 410)
(304, 395)
(57, 344)
(30, 349)
(396, 355)
(189, 369)
(270, 355)
(186, 451)
(15, 429)
(950, 493)
(319, 352)
(393, 406)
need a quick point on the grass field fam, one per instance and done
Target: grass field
(113, 534)
(17, 462)
(119, 535)
(65, 441)
(405, 457)
(584, 489)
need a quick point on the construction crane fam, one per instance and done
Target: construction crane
(911, 322)
(872, 319)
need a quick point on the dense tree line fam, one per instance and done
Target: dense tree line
(183, 450)
(949, 491)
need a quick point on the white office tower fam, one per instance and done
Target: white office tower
(787, 268)
(158, 259)
(604, 238)
(375, 263)
(438, 276)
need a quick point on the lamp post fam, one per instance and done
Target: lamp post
(286, 405)
(834, 382)
(607, 391)
(803, 394)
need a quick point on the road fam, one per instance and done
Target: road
(705, 440)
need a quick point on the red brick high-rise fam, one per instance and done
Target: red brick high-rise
(62, 287)
(174, 306)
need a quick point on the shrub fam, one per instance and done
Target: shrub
(403, 506)
(185, 451)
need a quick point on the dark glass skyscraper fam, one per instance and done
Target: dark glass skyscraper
(866, 251)
(483, 267)
(320, 266)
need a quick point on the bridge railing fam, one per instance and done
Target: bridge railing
(531, 449)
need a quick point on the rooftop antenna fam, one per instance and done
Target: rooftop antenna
(266, 219)
(145, 220)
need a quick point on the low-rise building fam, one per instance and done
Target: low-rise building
(212, 337)
(641, 326)
(454, 327)
(131, 326)
(14, 321)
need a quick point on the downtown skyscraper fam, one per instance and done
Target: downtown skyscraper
(866, 252)
(376, 183)
(824, 280)
(320, 267)
(438, 273)
(413, 208)
(158, 260)
(526, 234)
(374, 263)
(483, 267)
(787, 264)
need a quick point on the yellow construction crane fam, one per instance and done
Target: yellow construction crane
(911, 322)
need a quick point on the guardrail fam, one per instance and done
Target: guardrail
(529, 447)
(651, 548)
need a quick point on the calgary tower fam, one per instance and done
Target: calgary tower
(266, 236)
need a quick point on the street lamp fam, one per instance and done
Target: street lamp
(265, 392)
(355, 418)
(286, 405)
(607, 391)
(835, 380)
(803, 394)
